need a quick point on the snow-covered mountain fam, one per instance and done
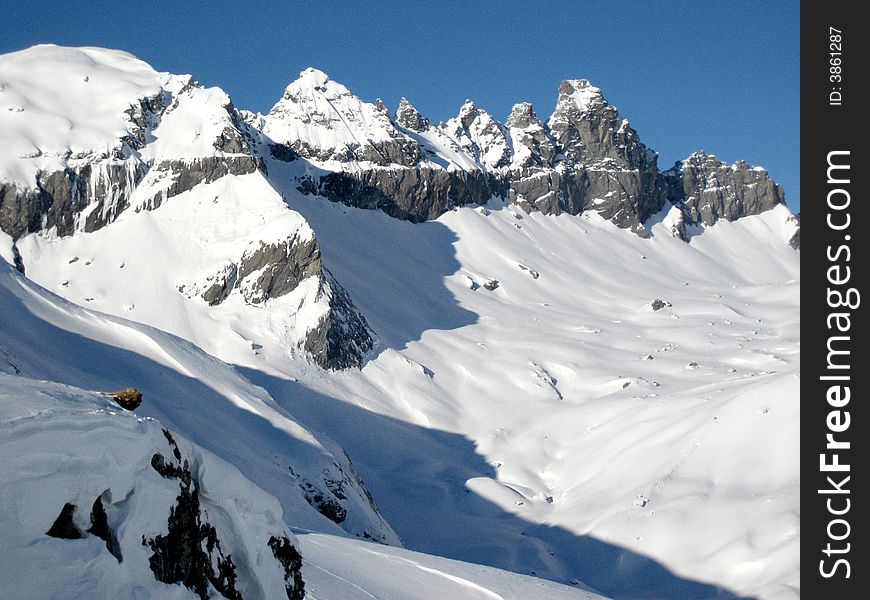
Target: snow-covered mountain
(542, 355)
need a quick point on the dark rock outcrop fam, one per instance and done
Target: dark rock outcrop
(326, 503)
(187, 174)
(100, 528)
(190, 552)
(708, 189)
(342, 338)
(291, 561)
(282, 267)
(410, 193)
(658, 304)
(60, 197)
(64, 526)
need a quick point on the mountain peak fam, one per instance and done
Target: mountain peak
(410, 118)
(312, 82)
(522, 115)
(581, 94)
(313, 77)
(467, 113)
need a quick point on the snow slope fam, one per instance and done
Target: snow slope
(68, 444)
(667, 434)
(49, 113)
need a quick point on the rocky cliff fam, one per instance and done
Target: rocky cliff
(585, 157)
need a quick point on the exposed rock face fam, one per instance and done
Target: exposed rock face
(187, 174)
(410, 193)
(408, 117)
(710, 189)
(61, 197)
(533, 145)
(586, 157)
(190, 552)
(281, 267)
(291, 562)
(64, 526)
(341, 340)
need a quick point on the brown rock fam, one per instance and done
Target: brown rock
(126, 398)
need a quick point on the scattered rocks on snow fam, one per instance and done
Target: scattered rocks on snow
(658, 304)
(491, 284)
(324, 502)
(530, 271)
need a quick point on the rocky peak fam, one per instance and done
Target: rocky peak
(410, 118)
(533, 146)
(480, 136)
(320, 119)
(591, 132)
(467, 113)
(522, 115)
(709, 189)
(581, 95)
(312, 79)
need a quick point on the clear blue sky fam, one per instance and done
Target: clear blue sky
(723, 77)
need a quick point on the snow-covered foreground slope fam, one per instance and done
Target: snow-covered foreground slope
(63, 444)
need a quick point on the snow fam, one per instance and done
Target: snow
(72, 444)
(56, 101)
(455, 417)
(517, 428)
(190, 125)
(484, 440)
(191, 239)
(484, 139)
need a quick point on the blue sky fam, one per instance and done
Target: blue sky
(723, 77)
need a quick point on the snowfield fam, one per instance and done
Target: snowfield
(554, 407)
